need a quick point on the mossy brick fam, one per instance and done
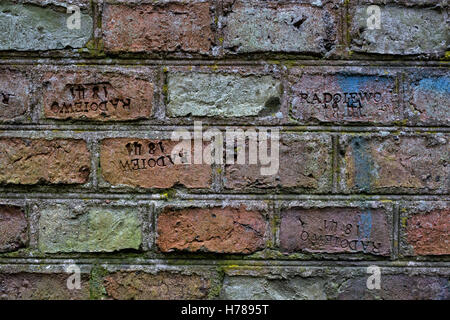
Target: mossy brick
(221, 95)
(403, 31)
(64, 228)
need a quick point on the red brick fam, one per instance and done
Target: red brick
(425, 233)
(98, 94)
(335, 230)
(160, 286)
(13, 228)
(219, 230)
(123, 164)
(159, 27)
(304, 164)
(344, 95)
(40, 161)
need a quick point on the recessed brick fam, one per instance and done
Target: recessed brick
(344, 95)
(390, 163)
(40, 161)
(150, 164)
(158, 27)
(13, 228)
(98, 94)
(219, 230)
(335, 230)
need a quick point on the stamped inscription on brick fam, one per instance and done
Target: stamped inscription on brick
(335, 230)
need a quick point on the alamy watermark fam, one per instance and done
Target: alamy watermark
(74, 280)
(374, 17)
(374, 280)
(74, 20)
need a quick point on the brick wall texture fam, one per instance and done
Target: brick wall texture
(88, 177)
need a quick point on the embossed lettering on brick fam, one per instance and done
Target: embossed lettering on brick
(150, 164)
(335, 230)
(97, 95)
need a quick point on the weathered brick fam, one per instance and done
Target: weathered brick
(256, 26)
(63, 228)
(428, 96)
(13, 228)
(394, 163)
(260, 288)
(221, 95)
(149, 164)
(425, 229)
(335, 230)
(33, 161)
(333, 283)
(98, 94)
(397, 287)
(304, 164)
(219, 230)
(344, 95)
(15, 93)
(158, 27)
(160, 286)
(404, 31)
(41, 286)
(27, 27)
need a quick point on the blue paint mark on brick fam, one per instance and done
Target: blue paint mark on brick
(437, 84)
(355, 83)
(363, 164)
(365, 224)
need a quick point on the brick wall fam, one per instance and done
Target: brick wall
(86, 177)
